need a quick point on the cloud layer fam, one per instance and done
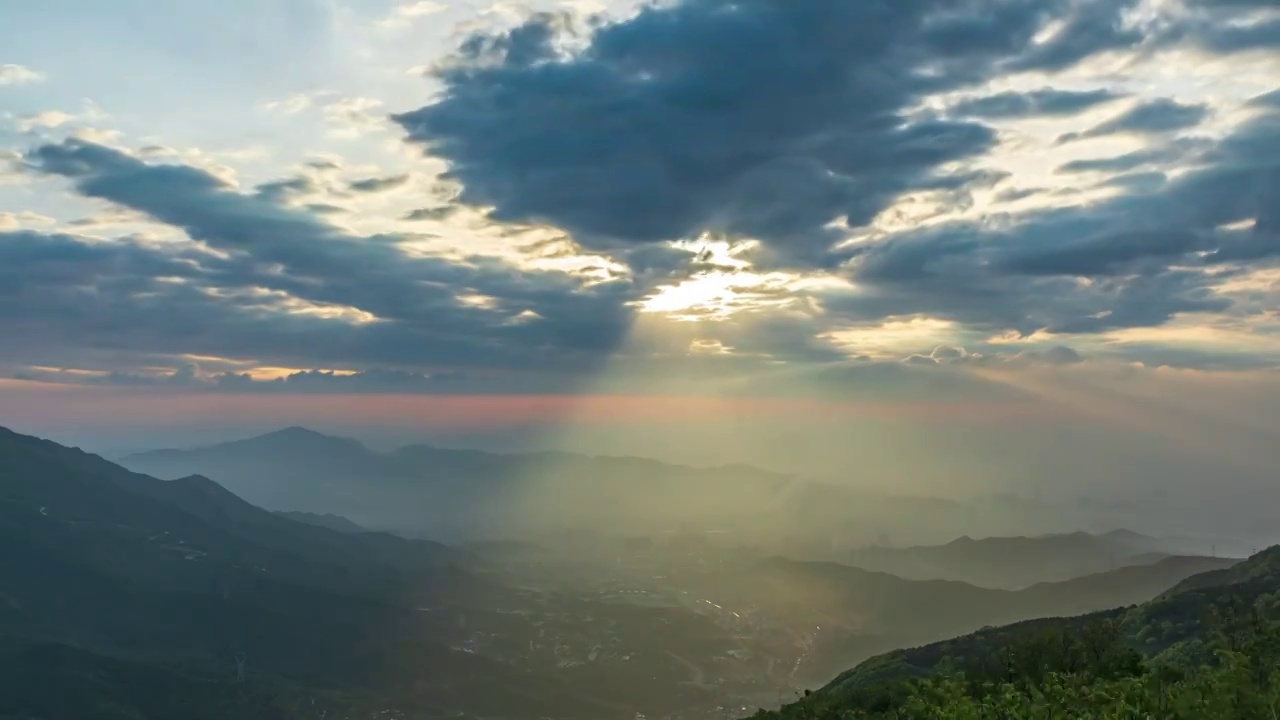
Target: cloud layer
(702, 188)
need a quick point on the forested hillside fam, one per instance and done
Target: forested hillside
(1209, 649)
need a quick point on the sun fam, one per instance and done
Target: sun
(724, 285)
(709, 295)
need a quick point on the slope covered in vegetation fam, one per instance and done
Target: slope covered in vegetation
(1208, 649)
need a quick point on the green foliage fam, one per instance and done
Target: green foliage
(1226, 666)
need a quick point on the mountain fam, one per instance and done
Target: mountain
(121, 594)
(451, 493)
(851, 613)
(79, 492)
(1018, 562)
(466, 495)
(875, 601)
(327, 520)
(1208, 648)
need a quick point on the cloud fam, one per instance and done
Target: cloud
(1267, 100)
(1062, 355)
(1232, 4)
(408, 11)
(278, 191)
(46, 119)
(773, 121)
(328, 381)
(277, 283)
(26, 218)
(1043, 102)
(1014, 194)
(189, 376)
(351, 117)
(291, 105)
(1164, 152)
(378, 184)
(1085, 29)
(1228, 33)
(1107, 253)
(1137, 182)
(11, 74)
(958, 356)
(183, 376)
(441, 212)
(847, 152)
(50, 119)
(1151, 117)
(1138, 259)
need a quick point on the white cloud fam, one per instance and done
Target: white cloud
(297, 102)
(893, 337)
(353, 116)
(50, 119)
(291, 105)
(11, 74)
(11, 167)
(19, 220)
(46, 119)
(420, 8)
(408, 12)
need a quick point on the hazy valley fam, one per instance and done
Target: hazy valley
(584, 612)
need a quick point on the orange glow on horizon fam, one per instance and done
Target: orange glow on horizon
(55, 403)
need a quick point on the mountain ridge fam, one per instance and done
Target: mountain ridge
(1166, 632)
(118, 574)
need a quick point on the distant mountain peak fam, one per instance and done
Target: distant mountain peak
(199, 481)
(298, 433)
(295, 430)
(1124, 535)
(205, 490)
(293, 439)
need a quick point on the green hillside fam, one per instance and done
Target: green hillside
(1208, 649)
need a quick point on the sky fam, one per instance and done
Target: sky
(972, 238)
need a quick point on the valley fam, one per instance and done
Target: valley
(139, 574)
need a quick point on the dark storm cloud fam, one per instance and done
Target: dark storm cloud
(1137, 182)
(1044, 102)
(1088, 27)
(1226, 27)
(1107, 254)
(1140, 251)
(234, 301)
(1267, 100)
(1234, 37)
(1164, 152)
(1147, 118)
(757, 118)
(282, 190)
(184, 376)
(762, 118)
(1234, 4)
(32, 263)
